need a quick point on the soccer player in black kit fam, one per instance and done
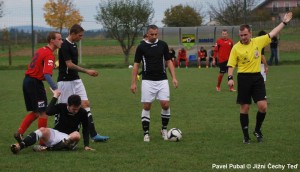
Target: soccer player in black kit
(154, 54)
(64, 135)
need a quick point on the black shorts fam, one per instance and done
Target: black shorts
(250, 85)
(34, 94)
(203, 59)
(223, 67)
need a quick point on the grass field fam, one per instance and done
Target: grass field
(208, 119)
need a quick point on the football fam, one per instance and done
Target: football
(174, 135)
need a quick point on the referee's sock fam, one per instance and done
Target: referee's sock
(244, 120)
(260, 117)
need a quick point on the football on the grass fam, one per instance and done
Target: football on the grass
(174, 135)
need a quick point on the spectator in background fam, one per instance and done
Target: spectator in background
(273, 46)
(202, 56)
(173, 56)
(182, 57)
(211, 54)
(263, 65)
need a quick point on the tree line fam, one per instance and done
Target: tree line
(124, 20)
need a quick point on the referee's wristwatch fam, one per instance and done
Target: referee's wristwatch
(230, 77)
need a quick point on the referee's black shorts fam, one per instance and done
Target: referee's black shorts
(250, 85)
(34, 94)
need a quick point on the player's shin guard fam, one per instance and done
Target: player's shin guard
(165, 117)
(146, 121)
(31, 139)
(92, 128)
(260, 117)
(244, 120)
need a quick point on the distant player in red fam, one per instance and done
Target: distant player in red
(223, 47)
(202, 56)
(40, 68)
(182, 57)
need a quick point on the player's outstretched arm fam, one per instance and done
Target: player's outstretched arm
(285, 20)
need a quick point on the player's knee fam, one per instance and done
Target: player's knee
(165, 105)
(262, 108)
(245, 108)
(75, 136)
(85, 103)
(147, 107)
(43, 129)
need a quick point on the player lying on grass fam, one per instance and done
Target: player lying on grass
(65, 134)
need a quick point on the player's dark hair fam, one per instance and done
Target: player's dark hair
(154, 27)
(74, 100)
(76, 28)
(245, 26)
(262, 32)
(51, 35)
(224, 30)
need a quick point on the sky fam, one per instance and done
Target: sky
(18, 12)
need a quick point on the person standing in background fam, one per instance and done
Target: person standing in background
(263, 66)
(223, 47)
(274, 53)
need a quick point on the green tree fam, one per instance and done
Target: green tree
(231, 12)
(182, 16)
(124, 20)
(296, 12)
(61, 14)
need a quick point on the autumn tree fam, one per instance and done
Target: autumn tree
(181, 16)
(61, 14)
(231, 12)
(124, 20)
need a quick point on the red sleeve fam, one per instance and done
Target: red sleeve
(49, 63)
